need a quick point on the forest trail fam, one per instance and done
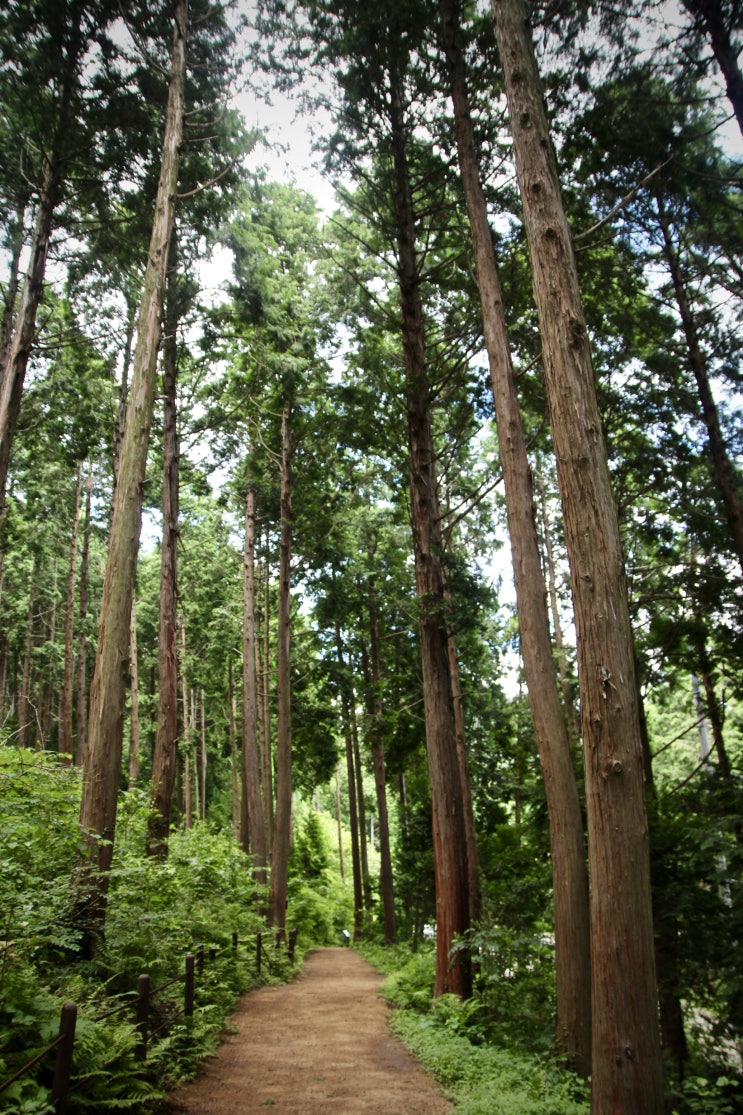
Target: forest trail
(319, 1044)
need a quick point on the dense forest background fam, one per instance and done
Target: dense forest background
(343, 432)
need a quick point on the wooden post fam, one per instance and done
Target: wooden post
(63, 1060)
(280, 937)
(212, 954)
(258, 950)
(292, 944)
(189, 982)
(234, 941)
(143, 1011)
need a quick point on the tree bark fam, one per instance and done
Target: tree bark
(265, 715)
(65, 743)
(103, 761)
(16, 247)
(361, 807)
(234, 754)
(203, 757)
(165, 752)
(135, 749)
(358, 894)
(282, 819)
(380, 782)
(82, 639)
(255, 829)
(569, 873)
(26, 710)
(453, 974)
(568, 703)
(723, 467)
(18, 349)
(710, 17)
(626, 1060)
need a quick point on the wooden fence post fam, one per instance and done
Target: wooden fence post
(234, 940)
(189, 983)
(63, 1060)
(292, 944)
(143, 1011)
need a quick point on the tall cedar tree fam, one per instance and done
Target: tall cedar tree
(569, 874)
(105, 727)
(626, 1057)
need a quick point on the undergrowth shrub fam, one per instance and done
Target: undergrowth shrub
(486, 1069)
(157, 911)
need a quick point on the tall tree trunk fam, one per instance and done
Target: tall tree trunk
(380, 782)
(251, 783)
(341, 863)
(723, 467)
(234, 754)
(103, 760)
(265, 712)
(710, 16)
(358, 894)
(626, 1061)
(81, 724)
(165, 752)
(569, 874)
(449, 833)
(65, 744)
(126, 363)
(203, 763)
(47, 685)
(11, 291)
(568, 703)
(26, 710)
(134, 733)
(19, 348)
(282, 820)
(361, 807)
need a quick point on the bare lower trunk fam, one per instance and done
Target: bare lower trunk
(358, 894)
(234, 755)
(380, 782)
(204, 758)
(103, 760)
(341, 863)
(282, 820)
(135, 757)
(26, 710)
(361, 806)
(265, 716)
(65, 745)
(569, 874)
(254, 828)
(165, 751)
(82, 640)
(626, 1062)
(453, 974)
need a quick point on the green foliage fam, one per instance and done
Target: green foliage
(484, 1079)
(157, 911)
(320, 902)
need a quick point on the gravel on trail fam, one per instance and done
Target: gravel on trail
(319, 1044)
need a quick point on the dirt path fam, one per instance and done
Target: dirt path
(320, 1044)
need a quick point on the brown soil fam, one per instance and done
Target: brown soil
(319, 1044)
